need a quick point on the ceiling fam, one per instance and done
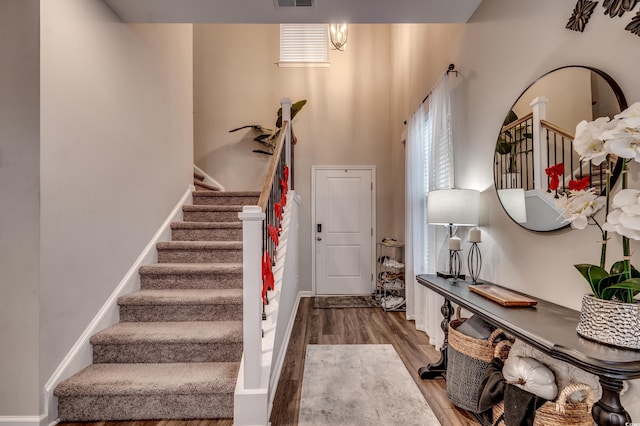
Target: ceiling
(323, 11)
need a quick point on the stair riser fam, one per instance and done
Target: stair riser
(187, 281)
(194, 216)
(167, 352)
(158, 313)
(199, 256)
(141, 407)
(203, 200)
(204, 234)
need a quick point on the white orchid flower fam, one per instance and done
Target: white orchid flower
(588, 141)
(631, 112)
(625, 218)
(579, 206)
(624, 138)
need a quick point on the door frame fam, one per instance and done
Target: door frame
(374, 204)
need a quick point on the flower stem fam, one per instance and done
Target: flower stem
(625, 240)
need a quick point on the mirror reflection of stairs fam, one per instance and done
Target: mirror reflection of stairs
(176, 351)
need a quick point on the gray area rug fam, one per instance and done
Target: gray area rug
(327, 302)
(360, 385)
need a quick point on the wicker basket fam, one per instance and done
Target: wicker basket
(467, 359)
(561, 412)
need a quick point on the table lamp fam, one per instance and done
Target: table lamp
(453, 208)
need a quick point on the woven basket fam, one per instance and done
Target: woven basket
(561, 412)
(467, 359)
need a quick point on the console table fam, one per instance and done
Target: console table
(550, 328)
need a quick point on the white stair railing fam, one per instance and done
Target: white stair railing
(255, 386)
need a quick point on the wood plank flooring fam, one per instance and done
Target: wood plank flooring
(341, 326)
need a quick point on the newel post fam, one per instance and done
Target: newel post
(252, 218)
(286, 116)
(539, 109)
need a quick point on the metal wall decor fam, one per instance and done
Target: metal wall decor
(581, 14)
(634, 25)
(618, 7)
(614, 8)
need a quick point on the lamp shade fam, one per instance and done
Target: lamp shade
(453, 206)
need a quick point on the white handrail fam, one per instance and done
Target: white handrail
(252, 388)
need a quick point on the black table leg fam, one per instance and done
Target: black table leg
(608, 411)
(439, 369)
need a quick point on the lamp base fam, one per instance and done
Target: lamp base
(448, 275)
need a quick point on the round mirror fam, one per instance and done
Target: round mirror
(534, 159)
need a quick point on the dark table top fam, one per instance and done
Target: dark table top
(549, 327)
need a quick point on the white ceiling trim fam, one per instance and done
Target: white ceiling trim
(323, 11)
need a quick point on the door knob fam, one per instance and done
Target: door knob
(319, 238)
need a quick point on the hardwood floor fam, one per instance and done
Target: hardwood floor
(341, 326)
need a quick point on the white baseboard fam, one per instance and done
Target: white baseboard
(21, 420)
(208, 179)
(80, 355)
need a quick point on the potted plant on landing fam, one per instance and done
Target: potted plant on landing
(612, 314)
(509, 144)
(268, 137)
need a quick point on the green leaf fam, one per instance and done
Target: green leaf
(593, 274)
(625, 290)
(295, 109)
(259, 151)
(618, 267)
(261, 138)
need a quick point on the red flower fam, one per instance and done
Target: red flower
(267, 276)
(273, 233)
(579, 185)
(278, 209)
(284, 185)
(554, 173)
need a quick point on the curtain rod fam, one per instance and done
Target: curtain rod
(451, 68)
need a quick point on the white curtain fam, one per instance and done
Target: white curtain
(429, 166)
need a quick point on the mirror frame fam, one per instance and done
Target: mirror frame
(617, 170)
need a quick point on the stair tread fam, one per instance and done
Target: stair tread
(227, 193)
(212, 208)
(207, 187)
(199, 245)
(170, 332)
(182, 297)
(206, 225)
(151, 378)
(198, 175)
(191, 268)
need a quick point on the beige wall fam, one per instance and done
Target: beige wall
(346, 120)
(116, 156)
(19, 205)
(531, 35)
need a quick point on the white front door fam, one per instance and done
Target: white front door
(343, 230)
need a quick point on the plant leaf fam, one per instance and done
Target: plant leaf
(261, 138)
(631, 286)
(295, 109)
(593, 274)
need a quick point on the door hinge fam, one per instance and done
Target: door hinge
(372, 232)
(372, 186)
(371, 277)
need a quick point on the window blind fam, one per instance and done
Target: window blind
(304, 43)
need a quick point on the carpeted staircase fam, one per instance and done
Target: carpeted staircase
(176, 351)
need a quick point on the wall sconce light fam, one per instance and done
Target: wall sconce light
(338, 36)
